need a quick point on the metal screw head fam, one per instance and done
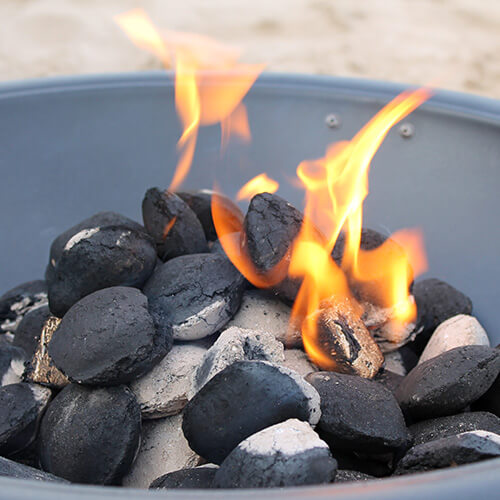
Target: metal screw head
(332, 120)
(406, 130)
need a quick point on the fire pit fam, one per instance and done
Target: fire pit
(72, 145)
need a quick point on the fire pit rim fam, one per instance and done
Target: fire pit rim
(456, 482)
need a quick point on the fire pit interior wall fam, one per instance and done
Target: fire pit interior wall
(71, 145)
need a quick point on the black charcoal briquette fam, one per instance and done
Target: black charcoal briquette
(30, 328)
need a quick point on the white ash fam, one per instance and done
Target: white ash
(22, 307)
(163, 449)
(165, 390)
(41, 394)
(82, 235)
(14, 373)
(297, 360)
(121, 239)
(237, 344)
(458, 331)
(394, 363)
(261, 310)
(204, 323)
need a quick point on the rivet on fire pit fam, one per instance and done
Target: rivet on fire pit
(332, 120)
(407, 130)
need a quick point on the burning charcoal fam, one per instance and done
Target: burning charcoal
(195, 294)
(17, 302)
(99, 220)
(457, 331)
(370, 240)
(389, 379)
(358, 414)
(297, 360)
(437, 428)
(448, 383)
(21, 406)
(217, 244)
(41, 368)
(200, 202)
(98, 258)
(286, 454)
(351, 476)
(12, 361)
(490, 400)
(237, 344)
(246, 397)
(196, 478)
(163, 449)
(450, 451)
(164, 390)
(108, 338)
(30, 328)
(436, 302)
(90, 435)
(345, 339)
(173, 225)
(8, 468)
(261, 310)
(271, 225)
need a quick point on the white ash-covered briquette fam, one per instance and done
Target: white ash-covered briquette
(41, 368)
(448, 383)
(270, 228)
(12, 361)
(436, 302)
(166, 389)
(196, 295)
(90, 435)
(286, 454)
(98, 220)
(200, 477)
(163, 449)
(18, 301)
(454, 332)
(108, 338)
(451, 451)
(358, 415)
(437, 428)
(244, 398)
(15, 470)
(237, 344)
(98, 258)
(30, 328)
(343, 338)
(175, 228)
(21, 406)
(200, 202)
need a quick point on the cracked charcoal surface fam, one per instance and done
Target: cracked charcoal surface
(436, 302)
(101, 219)
(271, 225)
(450, 451)
(21, 406)
(243, 399)
(196, 294)
(30, 328)
(185, 236)
(437, 428)
(358, 414)
(287, 454)
(196, 478)
(99, 258)
(90, 435)
(108, 338)
(448, 383)
(9, 468)
(18, 301)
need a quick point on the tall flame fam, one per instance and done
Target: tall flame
(210, 83)
(259, 184)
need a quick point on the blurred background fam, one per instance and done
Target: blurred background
(412, 41)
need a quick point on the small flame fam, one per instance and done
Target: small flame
(169, 227)
(210, 83)
(259, 184)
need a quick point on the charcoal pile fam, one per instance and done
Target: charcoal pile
(146, 359)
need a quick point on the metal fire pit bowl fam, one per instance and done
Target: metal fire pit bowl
(70, 147)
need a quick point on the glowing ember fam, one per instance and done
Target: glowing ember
(259, 184)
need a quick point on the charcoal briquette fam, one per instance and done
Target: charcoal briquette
(195, 478)
(15, 470)
(30, 328)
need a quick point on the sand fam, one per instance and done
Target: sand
(456, 42)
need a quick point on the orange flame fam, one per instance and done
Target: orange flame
(209, 82)
(259, 184)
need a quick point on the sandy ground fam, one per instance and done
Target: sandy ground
(414, 41)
